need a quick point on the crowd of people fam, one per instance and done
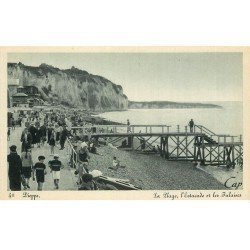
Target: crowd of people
(51, 128)
(39, 128)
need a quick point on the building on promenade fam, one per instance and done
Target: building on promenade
(20, 100)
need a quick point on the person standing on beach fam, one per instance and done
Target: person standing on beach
(55, 167)
(15, 169)
(191, 125)
(40, 170)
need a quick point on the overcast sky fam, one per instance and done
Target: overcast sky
(156, 76)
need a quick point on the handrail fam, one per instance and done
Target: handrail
(73, 154)
(206, 130)
(130, 128)
(122, 126)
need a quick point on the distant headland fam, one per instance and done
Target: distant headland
(168, 104)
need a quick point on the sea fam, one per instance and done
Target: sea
(225, 120)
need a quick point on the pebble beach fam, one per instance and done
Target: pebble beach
(151, 172)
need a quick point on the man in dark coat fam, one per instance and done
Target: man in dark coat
(15, 169)
(63, 137)
(26, 139)
(43, 131)
(50, 131)
(191, 125)
(33, 132)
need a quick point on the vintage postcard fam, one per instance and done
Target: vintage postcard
(161, 123)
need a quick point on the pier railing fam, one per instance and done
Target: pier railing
(219, 138)
(125, 128)
(163, 129)
(204, 130)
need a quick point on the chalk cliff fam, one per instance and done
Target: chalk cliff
(72, 87)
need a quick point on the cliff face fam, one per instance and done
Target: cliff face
(72, 87)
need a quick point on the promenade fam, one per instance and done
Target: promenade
(67, 181)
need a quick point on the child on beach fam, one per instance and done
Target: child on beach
(52, 144)
(116, 164)
(39, 169)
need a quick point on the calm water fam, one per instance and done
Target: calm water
(228, 120)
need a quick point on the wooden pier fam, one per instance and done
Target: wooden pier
(200, 145)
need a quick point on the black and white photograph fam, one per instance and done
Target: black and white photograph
(125, 120)
(124, 124)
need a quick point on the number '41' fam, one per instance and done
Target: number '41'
(11, 195)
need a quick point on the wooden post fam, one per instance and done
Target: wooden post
(210, 154)
(164, 148)
(186, 146)
(224, 155)
(161, 147)
(218, 155)
(195, 149)
(177, 148)
(146, 129)
(166, 145)
(178, 128)
(150, 129)
(132, 142)
(233, 156)
(203, 151)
